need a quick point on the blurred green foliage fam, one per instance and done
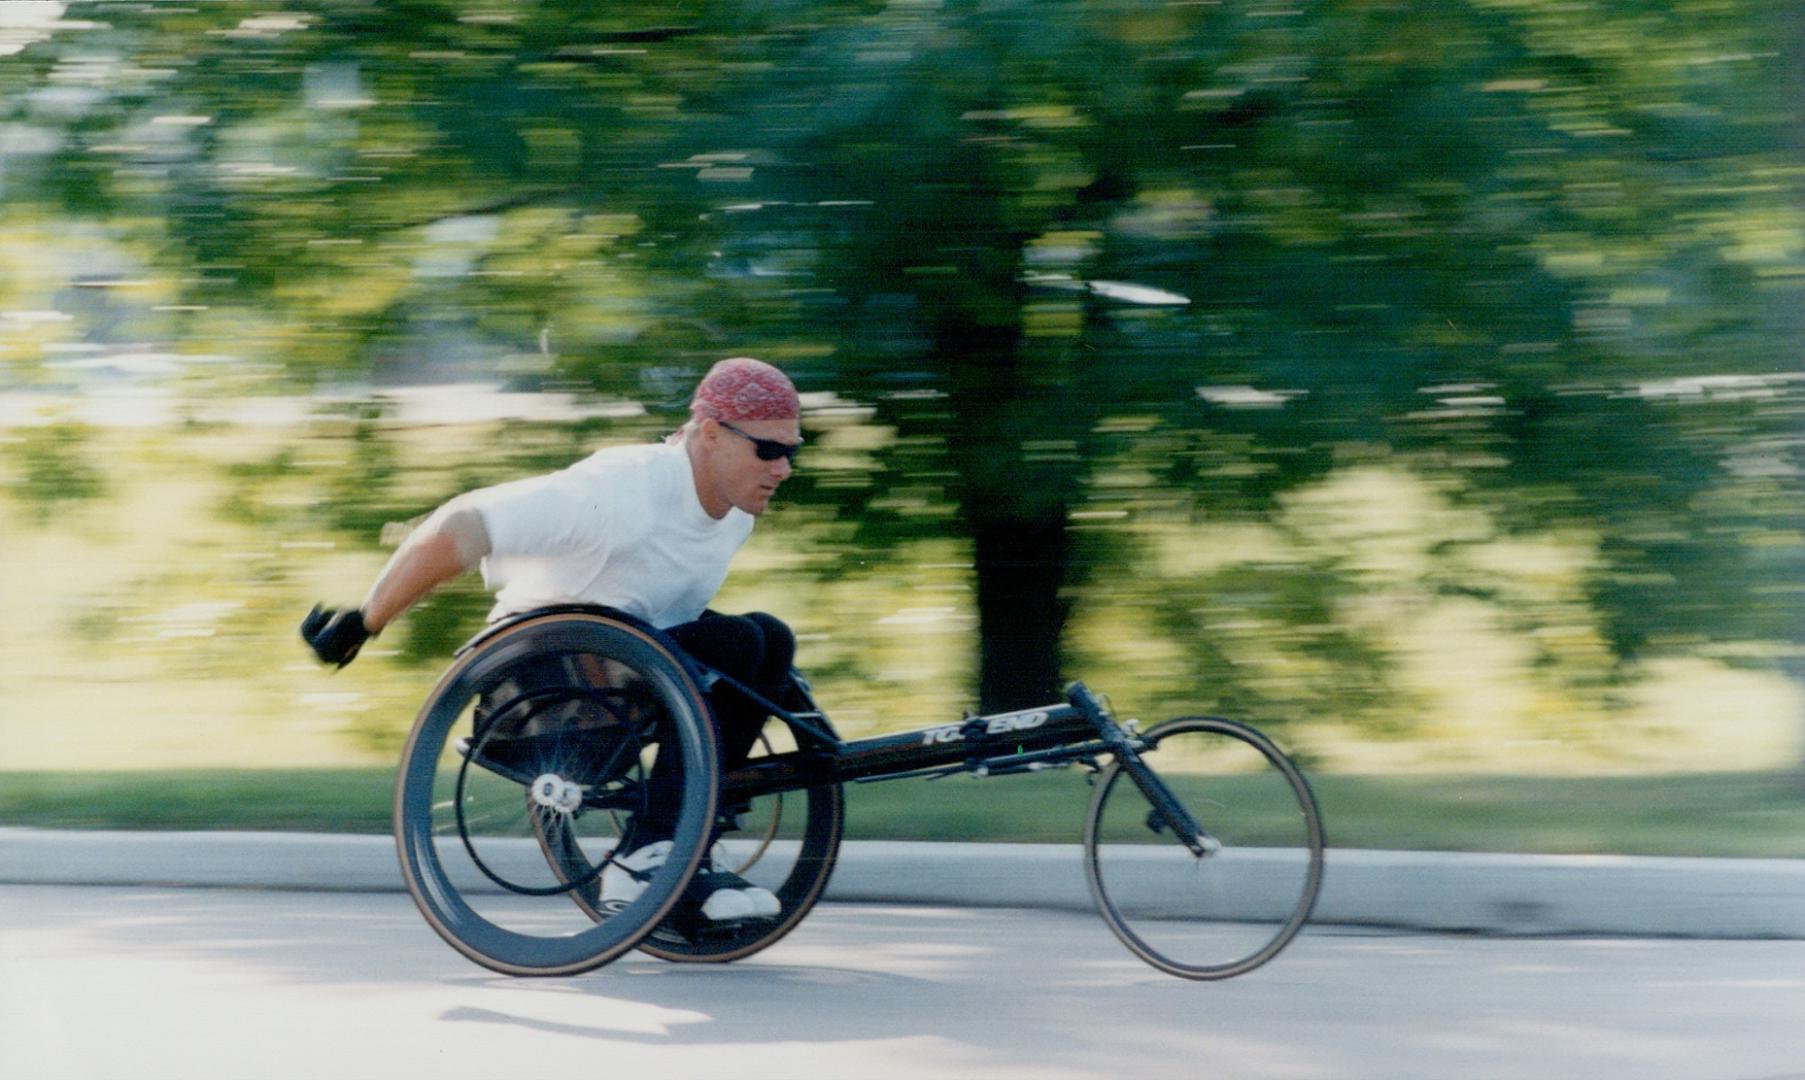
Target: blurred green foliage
(1091, 288)
(50, 467)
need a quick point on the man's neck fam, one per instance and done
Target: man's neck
(714, 503)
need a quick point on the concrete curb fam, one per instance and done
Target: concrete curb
(1512, 894)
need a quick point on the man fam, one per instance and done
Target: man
(649, 530)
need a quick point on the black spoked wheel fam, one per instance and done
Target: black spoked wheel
(1231, 909)
(785, 842)
(552, 727)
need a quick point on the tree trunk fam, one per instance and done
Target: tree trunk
(1021, 564)
(1005, 400)
(1795, 667)
(1013, 507)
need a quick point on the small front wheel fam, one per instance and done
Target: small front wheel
(1237, 893)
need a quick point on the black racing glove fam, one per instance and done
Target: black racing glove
(335, 636)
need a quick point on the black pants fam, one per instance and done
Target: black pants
(758, 650)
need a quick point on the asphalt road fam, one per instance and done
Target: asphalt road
(100, 982)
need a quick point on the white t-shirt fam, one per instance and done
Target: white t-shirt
(623, 527)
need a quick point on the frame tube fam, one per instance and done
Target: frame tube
(1056, 734)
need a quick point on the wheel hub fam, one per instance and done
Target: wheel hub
(556, 793)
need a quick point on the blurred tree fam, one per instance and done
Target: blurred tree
(1501, 236)
(51, 470)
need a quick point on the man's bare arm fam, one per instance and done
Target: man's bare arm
(450, 543)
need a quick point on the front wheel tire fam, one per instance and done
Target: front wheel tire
(1225, 912)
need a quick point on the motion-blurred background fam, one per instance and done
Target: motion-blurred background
(1419, 381)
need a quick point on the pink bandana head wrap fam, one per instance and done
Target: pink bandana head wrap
(745, 389)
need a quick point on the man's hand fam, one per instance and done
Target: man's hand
(334, 635)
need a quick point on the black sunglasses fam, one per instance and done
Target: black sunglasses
(766, 449)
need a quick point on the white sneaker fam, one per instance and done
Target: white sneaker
(765, 904)
(733, 899)
(727, 905)
(625, 878)
(761, 903)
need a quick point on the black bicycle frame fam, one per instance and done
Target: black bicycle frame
(1075, 731)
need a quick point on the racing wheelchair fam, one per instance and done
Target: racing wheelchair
(533, 762)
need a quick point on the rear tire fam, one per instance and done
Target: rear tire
(568, 760)
(787, 843)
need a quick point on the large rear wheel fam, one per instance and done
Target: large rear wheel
(786, 842)
(553, 726)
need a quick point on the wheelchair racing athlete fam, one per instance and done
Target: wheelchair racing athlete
(648, 530)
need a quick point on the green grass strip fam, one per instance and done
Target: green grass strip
(1737, 814)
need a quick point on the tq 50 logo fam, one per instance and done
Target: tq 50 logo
(998, 725)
